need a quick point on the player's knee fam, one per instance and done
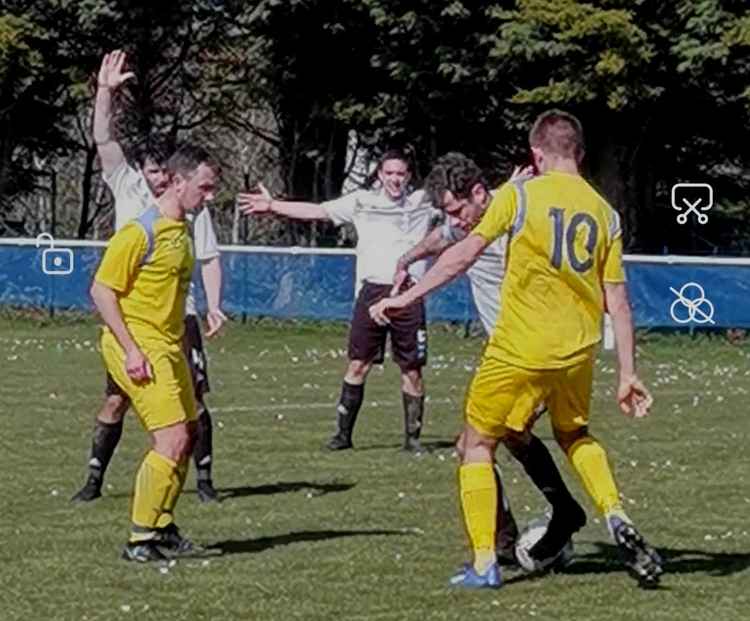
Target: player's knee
(174, 442)
(114, 409)
(460, 450)
(357, 371)
(412, 382)
(566, 439)
(476, 447)
(517, 443)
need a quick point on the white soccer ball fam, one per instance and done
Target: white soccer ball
(526, 540)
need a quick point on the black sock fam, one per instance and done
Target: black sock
(506, 529)
(103, 445)
(413, 414)
(347, 410)
(542, 470)
(203, 448)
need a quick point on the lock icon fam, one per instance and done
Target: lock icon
(55, 261)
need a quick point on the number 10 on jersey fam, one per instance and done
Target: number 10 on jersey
(564, 235)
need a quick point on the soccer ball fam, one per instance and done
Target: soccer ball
(526, 540)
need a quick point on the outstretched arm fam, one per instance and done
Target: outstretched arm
(110, 78)
(262, 203)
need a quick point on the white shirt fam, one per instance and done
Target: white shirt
(386, 229)
(133, 197)
(485, 276)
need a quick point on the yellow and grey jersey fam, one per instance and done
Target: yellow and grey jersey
(133, 198)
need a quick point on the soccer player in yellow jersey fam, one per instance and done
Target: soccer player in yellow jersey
(564, 269)
(140, 290)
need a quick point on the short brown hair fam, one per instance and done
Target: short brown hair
(559, 133)
(188, 157)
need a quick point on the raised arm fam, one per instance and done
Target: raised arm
(109, 80)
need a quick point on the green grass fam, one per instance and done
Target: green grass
(369, 534)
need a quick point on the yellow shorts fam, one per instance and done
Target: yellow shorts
(165, 400)
(502, 396)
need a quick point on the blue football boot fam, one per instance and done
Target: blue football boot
(468, 578)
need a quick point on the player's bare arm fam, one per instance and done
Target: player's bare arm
(454, 261)
(111, 77)
(521, 171)
(105, 300)
(633, 397)
(259, 203)
(432, 245)
(212, 275)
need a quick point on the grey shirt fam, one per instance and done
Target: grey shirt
(485, 276)
(386, 229)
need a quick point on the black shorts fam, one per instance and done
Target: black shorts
(196, 357)
(408, 330)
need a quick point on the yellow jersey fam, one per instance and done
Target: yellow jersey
(149, 263)
(565, 243)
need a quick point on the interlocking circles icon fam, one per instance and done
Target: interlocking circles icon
(691, 305)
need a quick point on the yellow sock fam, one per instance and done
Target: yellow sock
(479, 502)
(180, 474)
(154, 482)
(589, 460)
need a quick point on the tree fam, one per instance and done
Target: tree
(650, 81)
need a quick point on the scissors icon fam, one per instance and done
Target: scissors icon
(694, 196)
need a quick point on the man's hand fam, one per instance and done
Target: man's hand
(254, 203)
(111, 75)
(137, 366)
(522, 171)
(633, 397)
(215, 319)
(378, 310)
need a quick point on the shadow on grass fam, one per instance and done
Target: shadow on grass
(283, 487)
(429, 446)
(250, 546)
(677, 561)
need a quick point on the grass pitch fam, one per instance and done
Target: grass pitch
(371, 533)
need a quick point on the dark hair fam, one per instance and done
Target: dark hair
(188, 157)
(452, 172)
(559, 133)
(394, 154)
(388, 154)
(153, 148)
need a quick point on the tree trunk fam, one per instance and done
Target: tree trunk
(86, 184)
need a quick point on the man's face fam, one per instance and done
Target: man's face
(156, 176)
(394, 175)
(465, 213)
(197, 189)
